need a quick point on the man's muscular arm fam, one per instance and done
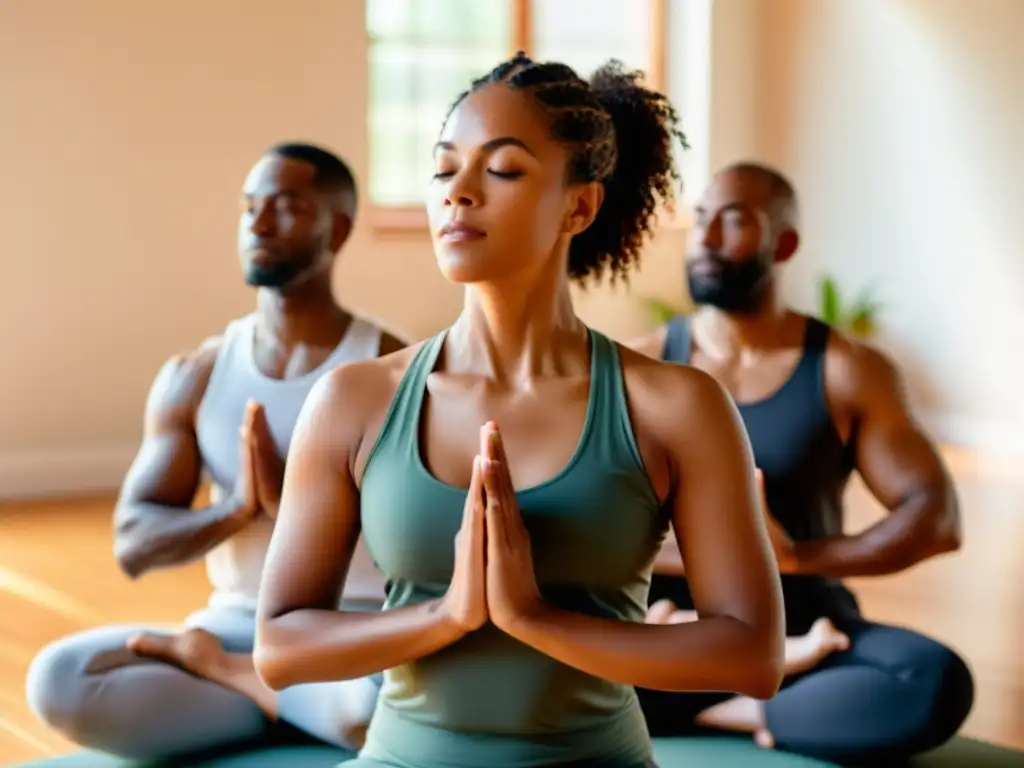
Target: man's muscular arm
(897, 462)
(154, 523)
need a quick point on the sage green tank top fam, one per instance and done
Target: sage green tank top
(595, 528)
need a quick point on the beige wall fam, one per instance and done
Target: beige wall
(128, 127)
(901, 122)
(127, 130)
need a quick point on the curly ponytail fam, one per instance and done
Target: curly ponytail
(620, 133)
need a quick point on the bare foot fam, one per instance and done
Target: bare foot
(682, 617)
(660, 612)
(764, 739)
(825, 639)
(194, 650)
(742, 714)
(200, 653)
(806, 652)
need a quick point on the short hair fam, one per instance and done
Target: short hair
(332, 177)
(619, 133)
(784, 206)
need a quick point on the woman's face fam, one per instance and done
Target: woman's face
(498, 204)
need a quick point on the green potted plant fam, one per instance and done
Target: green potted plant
(662, 311)
(858, 318)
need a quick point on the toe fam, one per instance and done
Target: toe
(764, 739)
(147, 644)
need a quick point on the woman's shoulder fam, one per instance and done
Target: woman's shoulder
(352, 393)
(671, 399)
(354, 382)
(680, 384)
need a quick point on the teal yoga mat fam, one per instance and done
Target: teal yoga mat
(670, 753)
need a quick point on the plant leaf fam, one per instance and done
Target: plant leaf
(830, 303)
(662, 311)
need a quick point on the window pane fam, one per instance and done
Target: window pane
(411, 91)
(423, 54)
(586, 33)
(466, 23)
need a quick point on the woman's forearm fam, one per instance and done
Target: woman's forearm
(311, 646)
(711, 654)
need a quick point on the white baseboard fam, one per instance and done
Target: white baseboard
(64, 472)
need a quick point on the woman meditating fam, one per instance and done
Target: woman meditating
(515, 474)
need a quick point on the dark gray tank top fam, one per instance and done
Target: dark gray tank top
(805, 464)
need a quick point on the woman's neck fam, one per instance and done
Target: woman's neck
(515, 331)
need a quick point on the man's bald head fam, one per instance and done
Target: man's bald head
(768, 187)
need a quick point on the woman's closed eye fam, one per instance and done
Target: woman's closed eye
(507, 175)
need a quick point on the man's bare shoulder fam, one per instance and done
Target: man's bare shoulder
(183, 377)
(854, 368)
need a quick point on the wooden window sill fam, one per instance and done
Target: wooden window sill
(403, 221)
(398, 220)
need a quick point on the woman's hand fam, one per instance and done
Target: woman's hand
(512, 591)
(465, 602)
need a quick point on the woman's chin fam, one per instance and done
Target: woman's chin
(468, 266)
(459, 269)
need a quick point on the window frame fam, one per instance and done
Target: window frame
(391, 218)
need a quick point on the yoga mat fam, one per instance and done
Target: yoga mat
(670, 753)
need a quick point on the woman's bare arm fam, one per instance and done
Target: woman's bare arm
(301, 637)
(737, 644)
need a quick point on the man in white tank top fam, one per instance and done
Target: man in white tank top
(226, 410)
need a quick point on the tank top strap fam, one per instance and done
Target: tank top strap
(612, 434)
(676, 348)
(400, 431)
(229, 360)
(811, 368)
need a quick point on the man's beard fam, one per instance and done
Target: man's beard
(737, 286)
(281, 271)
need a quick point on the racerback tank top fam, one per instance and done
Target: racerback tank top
(805, 465)
(235, 567)
(595, 528)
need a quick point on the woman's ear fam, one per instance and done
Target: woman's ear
(584, 203)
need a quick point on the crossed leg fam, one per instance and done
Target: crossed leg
(150, 694)
(885, 694)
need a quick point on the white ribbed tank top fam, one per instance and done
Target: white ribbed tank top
(235, 567)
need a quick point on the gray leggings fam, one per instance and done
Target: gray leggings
(152, 711)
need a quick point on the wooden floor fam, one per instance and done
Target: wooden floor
(57, 576)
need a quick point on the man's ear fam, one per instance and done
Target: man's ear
(786, 246)
(341, 230)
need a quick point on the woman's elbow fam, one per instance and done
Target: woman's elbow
(765, 678)
(271, 667)
(766, 664)
(272, 661)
